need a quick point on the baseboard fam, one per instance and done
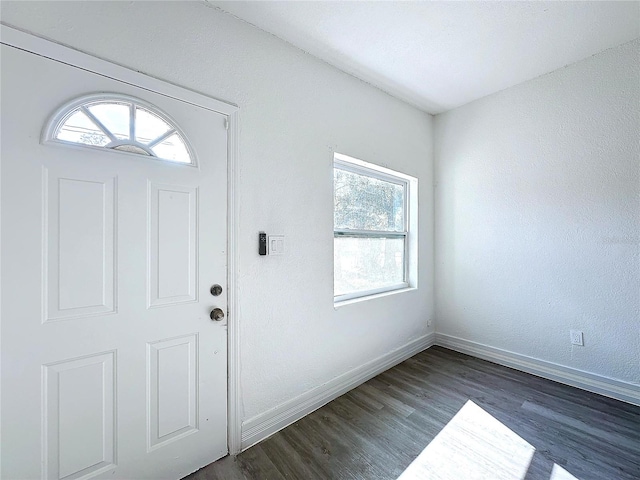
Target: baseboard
(609, 387)
(266, 424)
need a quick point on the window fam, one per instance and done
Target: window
(373, 238)
(117, 122)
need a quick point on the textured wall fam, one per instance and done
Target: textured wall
(538, 216)
(295, 111)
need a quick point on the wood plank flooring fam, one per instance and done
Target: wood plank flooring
(376, 430)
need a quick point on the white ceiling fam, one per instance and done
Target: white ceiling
(440, 55)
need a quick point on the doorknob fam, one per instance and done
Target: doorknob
(216, 314)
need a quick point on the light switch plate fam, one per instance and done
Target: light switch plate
(275, 244)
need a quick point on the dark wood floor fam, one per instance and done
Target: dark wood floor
(376, 430)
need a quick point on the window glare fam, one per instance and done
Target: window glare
(363, 264)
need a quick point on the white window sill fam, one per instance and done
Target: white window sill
(344, 303)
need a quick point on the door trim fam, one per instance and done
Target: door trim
(15, 38)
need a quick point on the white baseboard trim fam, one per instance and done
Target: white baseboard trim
(266, 424)
(609, 387)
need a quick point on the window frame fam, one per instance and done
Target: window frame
(360, 167)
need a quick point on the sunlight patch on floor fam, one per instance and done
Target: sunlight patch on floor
(473, 445)
(559, 473)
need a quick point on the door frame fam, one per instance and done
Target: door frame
(28, 42)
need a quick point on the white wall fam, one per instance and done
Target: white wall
(538, 217)
(295, 111)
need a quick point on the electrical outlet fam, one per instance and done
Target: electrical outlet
(429, 323)
(576, 337)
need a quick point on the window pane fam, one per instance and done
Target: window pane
(173, 148)
(80, 129)
(367, 263)
(149, 126)
(114, 116)
(366, 203)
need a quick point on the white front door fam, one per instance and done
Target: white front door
(111, 365)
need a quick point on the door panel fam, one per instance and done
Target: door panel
(173, 397)
(79, 252)
(63, 405)
(173, 247)
(111, 366)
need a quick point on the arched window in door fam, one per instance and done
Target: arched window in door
(121, 123)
